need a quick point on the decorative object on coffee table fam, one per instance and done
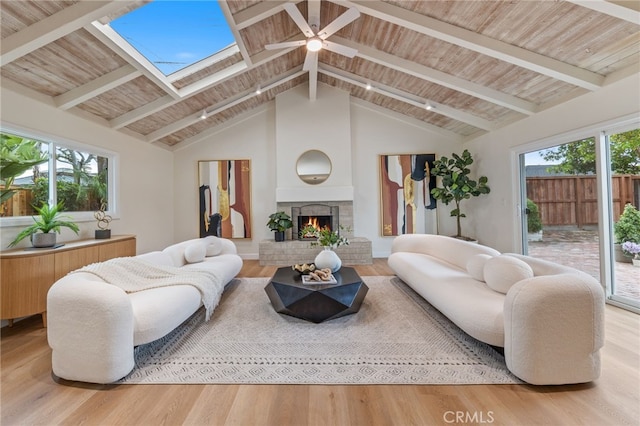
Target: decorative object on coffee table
(103, 219)
(328, 258)
(49, 220)
(329, 240)
(316, 303)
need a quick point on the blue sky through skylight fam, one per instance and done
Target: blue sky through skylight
(175, 34)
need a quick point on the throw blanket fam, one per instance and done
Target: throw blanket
(132, 275)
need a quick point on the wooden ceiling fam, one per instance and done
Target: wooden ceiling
(479, 64)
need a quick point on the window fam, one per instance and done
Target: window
(37, 171)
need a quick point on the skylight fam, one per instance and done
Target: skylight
(173, 35)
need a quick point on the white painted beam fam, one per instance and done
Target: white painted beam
(216, 109)
(479, 43)
(187, 91)
(625, 10)
(54, 27)
(224, 7)
(258, 12)
(115, 42)
(440, 78)
(142, 112)
(408, 98)
(96, 87)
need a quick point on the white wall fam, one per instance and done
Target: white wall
(376, 133)
(323, 124)
(145, 171)
(495, 219)
(372, 133)
(252, 138)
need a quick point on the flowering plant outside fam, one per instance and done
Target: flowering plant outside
(631, 248)
(325, 237)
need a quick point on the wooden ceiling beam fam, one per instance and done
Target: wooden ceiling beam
(479, 43)
(96, 87)
(408, 98)
(626, 10)
(440, 78)
(54, 27)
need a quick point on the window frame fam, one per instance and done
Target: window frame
(54, 142)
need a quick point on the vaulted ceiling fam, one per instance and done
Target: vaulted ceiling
(477, 65)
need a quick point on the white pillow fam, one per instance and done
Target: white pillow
(213, 246)
(475, 265)
(501, 272)
(195, 252)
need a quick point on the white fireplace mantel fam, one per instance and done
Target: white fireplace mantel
(314, 193)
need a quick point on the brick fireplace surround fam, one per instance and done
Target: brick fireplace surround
(292, 251)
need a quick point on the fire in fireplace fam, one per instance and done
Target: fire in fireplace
(316, 215)
(316, 222)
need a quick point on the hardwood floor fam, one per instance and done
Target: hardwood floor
(30, 395)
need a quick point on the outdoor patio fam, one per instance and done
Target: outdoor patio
(579, 249)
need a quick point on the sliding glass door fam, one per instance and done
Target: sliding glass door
(576, 195)
(624, 165)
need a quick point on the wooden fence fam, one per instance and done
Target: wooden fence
(572, 200)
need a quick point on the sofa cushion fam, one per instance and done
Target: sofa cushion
(195, 252)
(501, 272)
(213, 245)
(475, 266)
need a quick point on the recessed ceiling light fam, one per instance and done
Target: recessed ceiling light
(368, 87)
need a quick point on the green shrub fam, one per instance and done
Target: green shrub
(534, 223)
(627, 228)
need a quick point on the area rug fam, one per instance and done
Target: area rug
(395, 338)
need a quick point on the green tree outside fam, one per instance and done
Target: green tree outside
(579, 158)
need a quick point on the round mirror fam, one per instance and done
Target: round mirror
(313, 167)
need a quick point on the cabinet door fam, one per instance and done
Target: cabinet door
(118, 249)
(25, 283)
(67, 261)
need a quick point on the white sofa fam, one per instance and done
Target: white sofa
(93, 326)
(548, 318)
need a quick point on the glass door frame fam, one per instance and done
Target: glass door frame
(601, 133)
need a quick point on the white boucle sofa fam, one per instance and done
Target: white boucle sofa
(94, 326)
(548, 318)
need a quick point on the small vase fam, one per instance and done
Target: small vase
(328, 258)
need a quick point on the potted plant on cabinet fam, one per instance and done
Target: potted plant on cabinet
(279, 222)
(50, 219)
(626, 229)
(457, 185)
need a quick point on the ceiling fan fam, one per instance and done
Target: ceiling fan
(316, 38)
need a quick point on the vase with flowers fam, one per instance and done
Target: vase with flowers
(629, 248)
(329, 240)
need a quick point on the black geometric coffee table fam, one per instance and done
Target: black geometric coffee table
(316, 302)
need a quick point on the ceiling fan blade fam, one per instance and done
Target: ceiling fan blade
(341, 21)
(311, 62)
(313, 12)
(297, 17)
(349, 52)
(285, 44)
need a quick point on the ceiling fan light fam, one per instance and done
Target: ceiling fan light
(314, 44)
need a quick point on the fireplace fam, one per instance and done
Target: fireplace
(317, 215)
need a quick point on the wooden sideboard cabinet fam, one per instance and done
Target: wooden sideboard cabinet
(27, 274)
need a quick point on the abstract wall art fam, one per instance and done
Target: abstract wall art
(225, 198)
(405, 186)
